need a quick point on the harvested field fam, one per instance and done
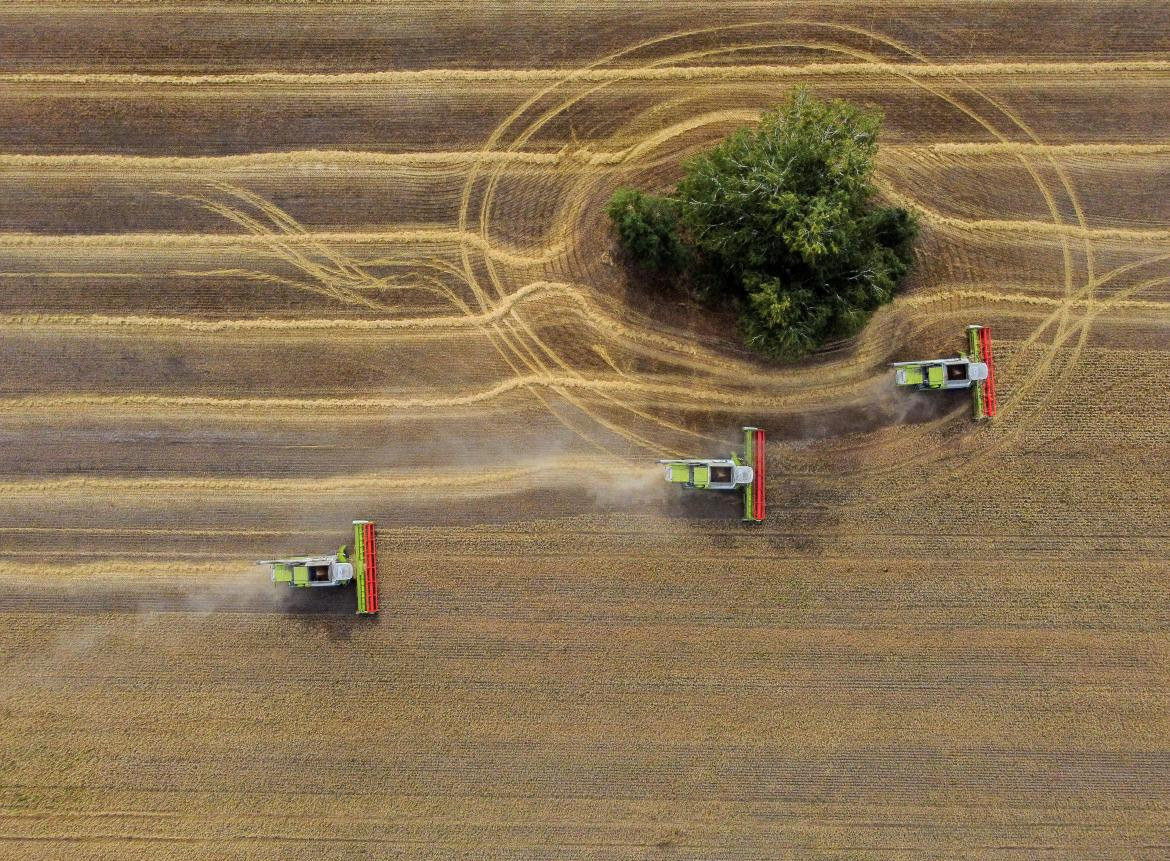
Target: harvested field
(266, 267)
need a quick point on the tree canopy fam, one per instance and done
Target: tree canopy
(778, 223)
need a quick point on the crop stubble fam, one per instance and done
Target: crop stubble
(253, 286)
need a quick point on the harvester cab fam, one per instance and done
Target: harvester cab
(974, 370)
(307, 572)
(744, 473)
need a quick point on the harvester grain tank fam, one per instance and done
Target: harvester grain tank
(745, 473)
(326, 571)
(974, 370)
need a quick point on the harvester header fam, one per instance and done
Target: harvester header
(974, 370)
(365, 554)
(746, 473)
(309, 572)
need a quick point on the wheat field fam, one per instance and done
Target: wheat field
(267, 267)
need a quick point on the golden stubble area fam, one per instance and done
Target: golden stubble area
(268, 267)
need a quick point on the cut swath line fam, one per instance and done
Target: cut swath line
(435, 236)
(532, 292)
(580, 154)
(472, 482)
(668, 392)
(589, 75)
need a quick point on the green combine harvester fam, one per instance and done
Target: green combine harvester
(315, 572)
(735, 473)
(974, 370)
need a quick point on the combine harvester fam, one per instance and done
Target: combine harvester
(310, 572)
(746, 473)
(975, 371)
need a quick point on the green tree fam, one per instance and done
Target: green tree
(648, 228)
(778, 223)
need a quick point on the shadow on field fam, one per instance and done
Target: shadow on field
(335, 601)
